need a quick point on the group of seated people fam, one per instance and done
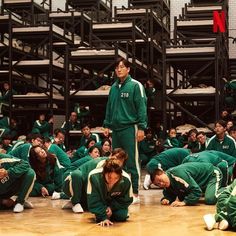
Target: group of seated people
(92, 178)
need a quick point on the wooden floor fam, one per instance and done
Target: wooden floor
(148, 218)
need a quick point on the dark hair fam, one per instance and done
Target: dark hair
(92, 148)
(201, 132)
(148, 130)
(105, 154)
(6, 137)
(39, 167)
(221, 122)
(125, 62)
(192, 131)
(120, 154)
(232, 128)
(89, 140)
(35, 136)
(47, 140)
(58, 130)
(112, 165)
(85, 125)
(156, 172)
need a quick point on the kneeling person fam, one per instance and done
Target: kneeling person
(109, 193)
(188, 182)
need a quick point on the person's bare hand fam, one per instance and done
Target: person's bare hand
(106, 132)
(105, 223)
(140, 135)
(178, 204)
(44, 192)
(3, 173)
(165, 202)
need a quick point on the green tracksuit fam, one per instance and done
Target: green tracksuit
(79, 153)
(203, 147)
(226, 205)
(22, 152)
(52, 181)
(227, 146)
(6, 125)
(71, 126)
(62, 145)
(42, 127)
(83, 140)
(76, 180)
(20, 179)
(214, 159)
(62, 157)
(147, 149)
(230, 159)
(126, 112)
(16, 144)
(190, 180)
(167, 159)
(99, 198)
(171, 142)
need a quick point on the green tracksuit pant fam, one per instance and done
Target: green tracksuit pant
(213, 186)
(74, 186)
(126, 139)
(21, 186)
(226, 205)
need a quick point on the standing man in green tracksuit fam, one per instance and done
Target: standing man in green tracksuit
(167, 159)
(126, 115)
(109, 193)
(185, 184)
(16, 178)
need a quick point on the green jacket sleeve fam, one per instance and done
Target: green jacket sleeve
(107, 121)
(37, 186)
(194, 192)
(140, 101)
(18, 168)
(96, 203)
(63, 158)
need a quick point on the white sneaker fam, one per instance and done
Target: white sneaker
(67, 205)
(56, 195)
(28, 205)
(147, 182)
(210, 221)
(223, 225)
(136, 200)
(77, 208)
(18, 208)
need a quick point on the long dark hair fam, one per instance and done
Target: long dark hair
(38, 166)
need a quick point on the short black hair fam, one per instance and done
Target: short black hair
(121, 59)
